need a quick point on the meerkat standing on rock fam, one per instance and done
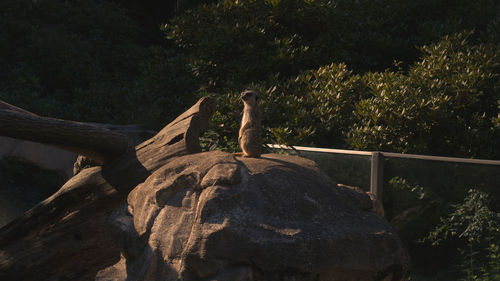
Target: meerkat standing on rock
(249, 138)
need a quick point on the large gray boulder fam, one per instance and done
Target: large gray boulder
(213, 216)
(178, 214)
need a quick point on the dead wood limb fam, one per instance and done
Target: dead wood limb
(68, 231)
(4, 105)
(85, 139)
(124, 167)
(180, 137)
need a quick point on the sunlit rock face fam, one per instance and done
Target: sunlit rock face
(213, 216)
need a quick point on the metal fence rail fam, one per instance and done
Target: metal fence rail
(377, 161)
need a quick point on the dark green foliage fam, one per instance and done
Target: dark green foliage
(149, 15)
(395, 75)
(233, 43)
(15, 171)
(470, 220)
(163, 89)
(318, 106)
(86, 60)
(446, 104)
(477, 225)
(461, 235)
(23, 185)
(413, 211)
(83, 60)
(314, 108)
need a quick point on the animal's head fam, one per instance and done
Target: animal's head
(249, 97)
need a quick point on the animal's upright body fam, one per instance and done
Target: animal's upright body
(249, 137)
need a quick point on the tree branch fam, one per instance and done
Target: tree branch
(85, 139)
(180, 137)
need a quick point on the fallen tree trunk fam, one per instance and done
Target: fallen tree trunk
(92, 141)
(4, 105)
(103, 143)
(200, 217)
(65, 237)
(180, 137)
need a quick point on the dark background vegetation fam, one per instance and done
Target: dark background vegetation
(394, 75)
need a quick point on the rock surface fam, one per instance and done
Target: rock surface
(65, 237)
(211, 216)
(190, 215)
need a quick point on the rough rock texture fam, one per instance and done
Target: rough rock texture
(190, 215)
(211, 216)
(65, 237)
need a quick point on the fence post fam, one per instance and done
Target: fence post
(377, 175)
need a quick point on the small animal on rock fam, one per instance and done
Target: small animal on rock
(249, 138)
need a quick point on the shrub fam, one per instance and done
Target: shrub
(233, 43)
(314, 108)
(83, 60)
(478, 226)
(446, 104)
(460, 233)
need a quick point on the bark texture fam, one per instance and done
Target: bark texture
(180, 137)
(192, 216)
(96, 142)
(66, 236)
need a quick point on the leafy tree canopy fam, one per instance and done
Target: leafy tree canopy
(236, 42)
(85, 60)
(332, 73)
